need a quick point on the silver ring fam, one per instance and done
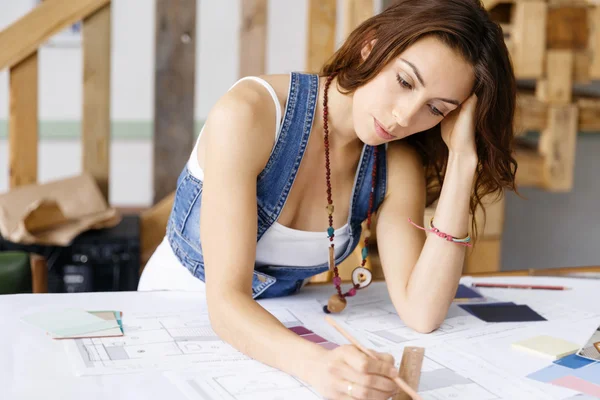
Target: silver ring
(350, 389)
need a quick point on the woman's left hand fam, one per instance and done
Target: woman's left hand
(458, 128)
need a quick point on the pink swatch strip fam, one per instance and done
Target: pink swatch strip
(572, 382)
(313, 337)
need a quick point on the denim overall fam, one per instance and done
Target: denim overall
(273, 186)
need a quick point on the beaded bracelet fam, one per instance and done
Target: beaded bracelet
(463, 242)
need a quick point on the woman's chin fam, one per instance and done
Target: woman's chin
(370, 139)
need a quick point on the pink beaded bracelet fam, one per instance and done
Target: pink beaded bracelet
(463, 242)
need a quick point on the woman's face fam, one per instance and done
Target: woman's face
(413, 93)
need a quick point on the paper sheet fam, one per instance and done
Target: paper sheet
(163, 341)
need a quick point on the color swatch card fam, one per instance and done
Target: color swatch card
(114, 331)
(465, 293)
(502, 312)
(572, 372)
(546, 346)
(307, 334)
(75, 323)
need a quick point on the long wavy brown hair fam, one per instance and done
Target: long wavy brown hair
(465, 26)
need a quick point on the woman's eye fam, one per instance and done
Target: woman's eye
(435, 111)
(403, 83)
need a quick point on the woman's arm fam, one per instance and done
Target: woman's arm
(239, 137)
(422, 273)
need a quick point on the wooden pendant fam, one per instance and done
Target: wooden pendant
(362, 277)
(336, 304)
(331, 258)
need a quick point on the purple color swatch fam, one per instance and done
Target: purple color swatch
(300, 330)
(314, 338)
(329, 345)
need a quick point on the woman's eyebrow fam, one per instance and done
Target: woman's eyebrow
(420, 78)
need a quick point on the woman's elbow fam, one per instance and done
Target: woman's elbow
(423, 324)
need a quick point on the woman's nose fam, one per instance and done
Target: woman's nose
(405, 114)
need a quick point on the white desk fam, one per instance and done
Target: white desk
(32, 366)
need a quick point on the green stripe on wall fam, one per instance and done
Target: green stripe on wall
(129, 130)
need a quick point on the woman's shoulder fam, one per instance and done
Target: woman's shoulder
(243, 120)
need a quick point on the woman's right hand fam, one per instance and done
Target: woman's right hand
(346, 373)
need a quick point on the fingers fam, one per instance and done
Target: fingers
(385, 357)
(362, 363)
(355, 391)
(372, 381)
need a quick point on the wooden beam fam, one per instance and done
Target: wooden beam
(557, 145)
(489, 4)
(27, 34)
(594, 45)
(589, 115)
(355, 12)
(95, 128)
(530, 166)
(581, 68)
(39, 273)
(321, 33)
(531, 114)
(567, 28)
(557, 86)
(529, 39)
(484, 256)
(175, 69)
(23, 122)
(253, 37)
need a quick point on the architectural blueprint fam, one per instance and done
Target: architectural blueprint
(162, 342)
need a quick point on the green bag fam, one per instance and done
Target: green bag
(15, 272)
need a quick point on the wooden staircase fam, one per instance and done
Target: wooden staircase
(20, 43)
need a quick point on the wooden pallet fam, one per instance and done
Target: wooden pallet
(556, 43)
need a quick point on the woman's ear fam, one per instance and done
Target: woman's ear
(366, 50)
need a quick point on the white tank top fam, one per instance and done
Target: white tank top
(281, 245)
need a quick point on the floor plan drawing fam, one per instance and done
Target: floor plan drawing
(162, 342)
(255, 384)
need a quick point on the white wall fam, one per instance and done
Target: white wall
(132, 84)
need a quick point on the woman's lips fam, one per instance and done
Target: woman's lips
(381, 132)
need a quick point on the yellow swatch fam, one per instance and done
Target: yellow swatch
(547, 346)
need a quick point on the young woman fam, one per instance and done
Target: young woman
(416, 106)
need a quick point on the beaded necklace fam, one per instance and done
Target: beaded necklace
(361, 276)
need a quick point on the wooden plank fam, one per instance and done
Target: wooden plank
(39, 273)
(529, 39)
(355, 12)
(594, 46)
(95, 127)
(253, 37)
(24, 36)
(175, 67)
(493, 225)
(567, 28)
(557, 145)
(23, 122)
(581, 73)
(321, 33)
(589, 115)
(557, 86)
(530, 168)
(570, 3)
(484, 256)
(530, 113)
